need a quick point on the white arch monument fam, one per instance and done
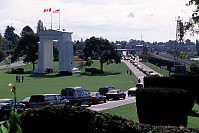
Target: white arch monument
(65, 46)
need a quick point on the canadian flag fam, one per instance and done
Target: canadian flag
(47, 10)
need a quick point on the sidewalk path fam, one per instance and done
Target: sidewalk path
(19, 63)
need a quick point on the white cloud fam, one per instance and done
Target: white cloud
(112, 19)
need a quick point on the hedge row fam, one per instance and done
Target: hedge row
(77, 119)
(160, 62)
(188, 82)
(163, 106)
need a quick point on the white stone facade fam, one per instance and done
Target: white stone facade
(65, 46)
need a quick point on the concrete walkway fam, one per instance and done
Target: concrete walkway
(19, 63)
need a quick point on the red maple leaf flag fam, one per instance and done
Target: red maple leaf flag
(47, 10)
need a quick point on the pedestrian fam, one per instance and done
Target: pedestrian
(16, 78)
(22, 78)
(19, 78)
(138, 80)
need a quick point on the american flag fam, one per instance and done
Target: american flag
(56, 11)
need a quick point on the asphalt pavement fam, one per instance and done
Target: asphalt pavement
(113, 103)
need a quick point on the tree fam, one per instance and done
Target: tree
(101, 49)
(26, 29)
(10, 36)
(27, 46)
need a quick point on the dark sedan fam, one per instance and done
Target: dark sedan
(97, 98)
(132, 91)
(5, 109)
(19, 106)
(115, 94)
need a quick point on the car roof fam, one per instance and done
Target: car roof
(45, 95)
(6, 99)
(74, 88)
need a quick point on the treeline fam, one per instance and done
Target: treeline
(25, 44)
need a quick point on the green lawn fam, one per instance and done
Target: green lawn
(129, 112)
(157, 69)
(115, 75)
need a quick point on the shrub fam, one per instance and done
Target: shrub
(182, 81)
(94, 71)
(65, 73)
(18, 71)
(163, 106)
(70, 118)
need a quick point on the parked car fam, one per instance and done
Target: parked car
(97, 98)
(19, 106)
(47, 99)
(26, 101)
(5, 109)
(132, 91)
(115, 94)
(105, 89)
(77, 95)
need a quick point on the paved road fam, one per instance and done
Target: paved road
(139, 74)
(113, 104)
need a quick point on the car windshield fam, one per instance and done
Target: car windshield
(93, 93)
(103, 89)
(37, 99)
(67, 93)
(113, 91)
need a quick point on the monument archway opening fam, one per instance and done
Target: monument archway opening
(65, 46)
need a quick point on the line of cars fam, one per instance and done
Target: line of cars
(145, 71)
(72, 95)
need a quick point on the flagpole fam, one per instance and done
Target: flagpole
(51, 21)
(59, 18)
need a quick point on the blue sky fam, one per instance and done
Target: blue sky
(111, 19)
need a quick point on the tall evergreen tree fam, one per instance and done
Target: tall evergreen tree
(10, 36)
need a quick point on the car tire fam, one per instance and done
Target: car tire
(105, 101)
(5, 117)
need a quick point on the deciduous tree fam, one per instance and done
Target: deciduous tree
(101, 49)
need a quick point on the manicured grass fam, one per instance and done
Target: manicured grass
(157, 69)
(115, 75)
(129, 112)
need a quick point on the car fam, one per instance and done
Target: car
(5, 109)
(41, 100)
(115, 94)
(26, 101)
(19, 106)
(97, 98)
(139, 85)
(105, 89)
(77, 95)
(132, 91)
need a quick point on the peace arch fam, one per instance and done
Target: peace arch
(65, 46)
